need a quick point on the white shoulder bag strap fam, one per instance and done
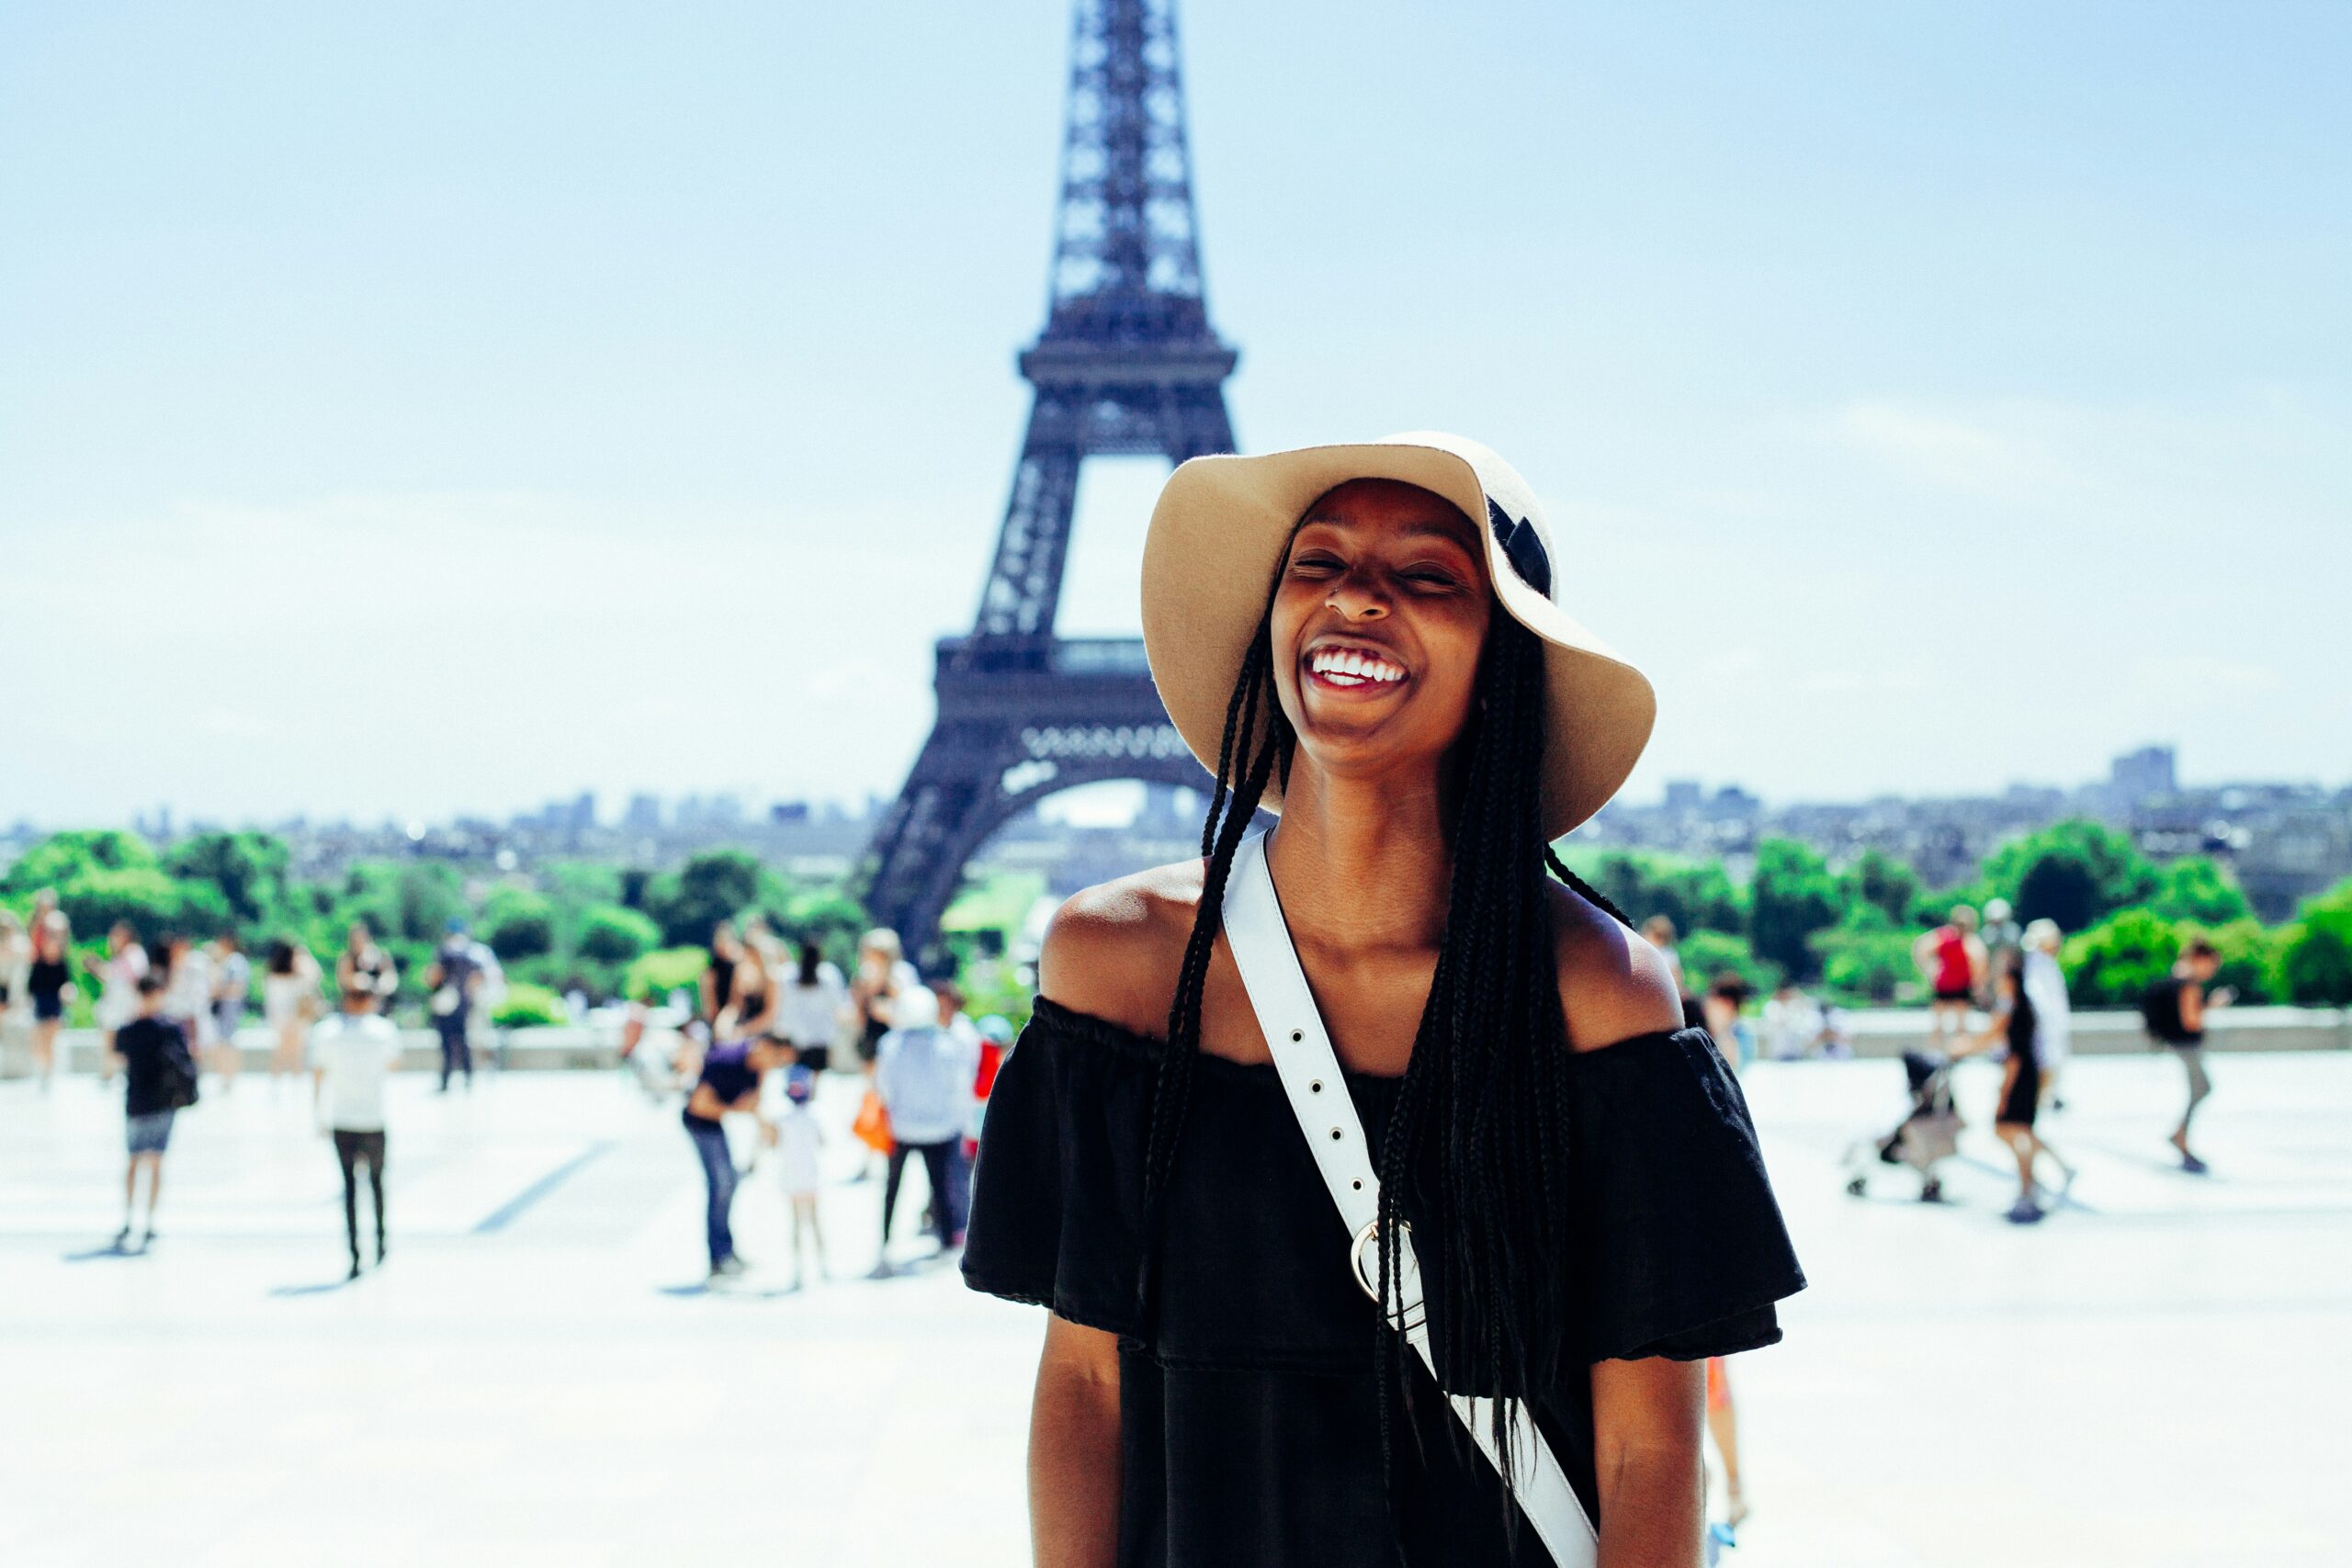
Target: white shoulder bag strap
(1319, 1098)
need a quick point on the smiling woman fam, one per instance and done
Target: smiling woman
(1381, 1205)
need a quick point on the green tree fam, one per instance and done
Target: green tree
(527, 1005)
(60, 858)
(250, 869)
(1888, 883)
(610, 934)
(2314, 966)
(2076, 872)
(2195, 888)
(715, 886)
(1791, 896)
(2250, 957)
(830, 916)
(1864, 957)
(655, 975)
(580, 882)
(1695, 895)
(1708, 956)
(156, 904)
(2113, 964)
(519, 924)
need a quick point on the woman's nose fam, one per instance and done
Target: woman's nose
(1357, 599)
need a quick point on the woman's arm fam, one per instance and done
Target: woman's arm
(1646, 1422)
(1074, 1454)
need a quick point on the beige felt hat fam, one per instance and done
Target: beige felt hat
(1218, 534)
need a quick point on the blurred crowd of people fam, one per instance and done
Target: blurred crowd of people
(170, 1010)
(769, 1017)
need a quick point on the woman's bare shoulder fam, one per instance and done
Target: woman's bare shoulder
(1113, 951)
(1613, 984)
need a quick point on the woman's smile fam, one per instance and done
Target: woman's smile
(1354, 668)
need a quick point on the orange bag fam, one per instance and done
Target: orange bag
(872, 1127)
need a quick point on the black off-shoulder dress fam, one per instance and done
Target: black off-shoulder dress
(1249, 1411)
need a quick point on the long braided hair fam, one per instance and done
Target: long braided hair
(1477, 1138)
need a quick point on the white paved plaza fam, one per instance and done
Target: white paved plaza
(2149, 1379)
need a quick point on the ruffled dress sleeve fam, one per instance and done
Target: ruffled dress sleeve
(1683, 1243)
(1057, 1216)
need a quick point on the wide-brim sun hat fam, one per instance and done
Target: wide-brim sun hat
(1219, 532)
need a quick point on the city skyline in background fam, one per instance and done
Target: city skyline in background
(2146, 771)
(425, 415)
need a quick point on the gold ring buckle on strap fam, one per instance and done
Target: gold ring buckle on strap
(1408, 1316)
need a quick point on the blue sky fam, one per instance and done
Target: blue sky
(423, 407)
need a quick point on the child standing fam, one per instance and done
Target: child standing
(799, 1138)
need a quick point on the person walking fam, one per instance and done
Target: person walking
(48, 986)
(752, 998)
(158, 1081)
(2016, 1026)
(1724, 1009)
(799, 1148)
(15, 964)
(232, 984)
(2054, 1018)
(1792, 1022)
(2174, 1011)
(350, 1054)
(726, 1084)
(118, 975)
(1720, 1015)
(2001, 937)
(809, 1008)
(883, 975)
(1659, 933)
(1384, 1013)
(364, 963)
(187, 994)
(454, 980)
(1951, 960)
(924, 1074)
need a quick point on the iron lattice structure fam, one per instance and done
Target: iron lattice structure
(1127, 364)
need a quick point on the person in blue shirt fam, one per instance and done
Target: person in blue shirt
(924, 1074)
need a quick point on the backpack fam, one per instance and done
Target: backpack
(176, 1076)
(2160, 1011)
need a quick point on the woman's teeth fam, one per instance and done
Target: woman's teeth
(1346, 667)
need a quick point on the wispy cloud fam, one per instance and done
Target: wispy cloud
(1967, 453)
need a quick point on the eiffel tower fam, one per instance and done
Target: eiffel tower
(1127, 364)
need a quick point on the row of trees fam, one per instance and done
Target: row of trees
(1851, 930)
(618, 930)
(607, 930)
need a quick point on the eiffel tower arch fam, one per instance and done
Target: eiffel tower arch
(1127, 364)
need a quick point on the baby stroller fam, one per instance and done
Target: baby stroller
(1927, 1135)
